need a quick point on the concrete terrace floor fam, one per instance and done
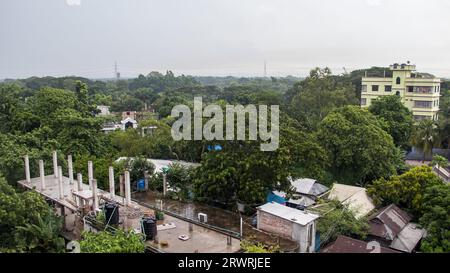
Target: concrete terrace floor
(202, 240)
(218, 217)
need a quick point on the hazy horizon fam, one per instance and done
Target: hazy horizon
(219, 38)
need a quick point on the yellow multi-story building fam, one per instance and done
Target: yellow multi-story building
(420, 92)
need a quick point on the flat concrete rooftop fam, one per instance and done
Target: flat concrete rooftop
(202, 239)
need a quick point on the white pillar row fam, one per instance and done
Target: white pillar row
(42, 174)
(112, 189)
(79, 182)
(164, 184)
(90, 174)
(70, 167)
(94, 195)
(60, 183)
(127, 189)
(27, 168)
(55, 163)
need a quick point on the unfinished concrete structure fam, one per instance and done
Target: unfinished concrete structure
(79, 204)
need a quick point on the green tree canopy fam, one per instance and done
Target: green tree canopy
(436, 218)
(312, 99)
(398, 118)
(405, 190)
(359, 149)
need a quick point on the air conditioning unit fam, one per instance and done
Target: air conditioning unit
(202, 217)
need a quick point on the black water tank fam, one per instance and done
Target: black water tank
(150, 229)
(112, 213)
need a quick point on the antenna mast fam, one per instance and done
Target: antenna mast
(265, 69)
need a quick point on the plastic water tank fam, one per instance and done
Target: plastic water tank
(112, 213)
(149, 226)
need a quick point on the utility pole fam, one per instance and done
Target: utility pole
(116, 73)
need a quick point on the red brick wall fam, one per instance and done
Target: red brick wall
(272, 223)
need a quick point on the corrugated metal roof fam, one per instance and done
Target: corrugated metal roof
(287, 213)
(355, 198)
(408, 238)
(344, 244)
(308, 186)
(388, 222)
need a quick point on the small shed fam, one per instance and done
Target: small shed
(391, 227)
(287, 222)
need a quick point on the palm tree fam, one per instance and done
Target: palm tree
(425, 136)
(43, 236)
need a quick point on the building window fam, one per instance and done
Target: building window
(423, 104)
(420, 118)
(363, 101)
(423, 89)
(398, 80)
(388, 88)
(410, 89)
(364, 88)
(375, 88)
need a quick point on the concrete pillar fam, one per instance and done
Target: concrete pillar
(27, 168)
(63, 215)
(55, 163)
(79, 182)
(127, 189)
(60, 183)
(94, 194)
(122, 185)
(241, 228)
(164, 184)
(90, 174)
(70, 167)
(42, 174)
(146, 180)
(112, 189)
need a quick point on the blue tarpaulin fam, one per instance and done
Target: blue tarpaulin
(214, 148)
(271, 197)
(317, 242)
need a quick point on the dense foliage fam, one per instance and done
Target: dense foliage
(405, 190)
(359, 149)
(105, 242)
(27, 223)
(398, 118)
(341, 221)
(324, 134)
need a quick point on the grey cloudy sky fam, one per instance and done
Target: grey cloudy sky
(219, 37)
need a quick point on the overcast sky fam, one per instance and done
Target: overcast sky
(220, 37)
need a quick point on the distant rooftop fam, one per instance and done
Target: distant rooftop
(344, 244)
(161, 163)
(308, 186)
(355, 198)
